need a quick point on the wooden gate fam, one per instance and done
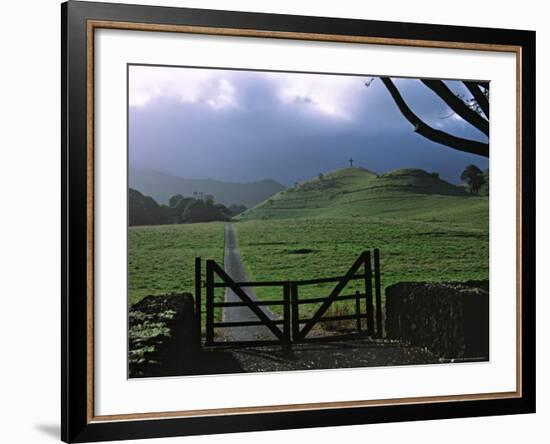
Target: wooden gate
(292, 328)
(362, 269)
(280, 335)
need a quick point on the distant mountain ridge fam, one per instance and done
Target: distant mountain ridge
(162, 186)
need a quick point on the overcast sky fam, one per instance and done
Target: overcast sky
(244, 125)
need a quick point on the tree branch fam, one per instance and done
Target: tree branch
(457, 105)
(458, 143)
(477, 94)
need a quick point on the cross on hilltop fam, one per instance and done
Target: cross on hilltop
(351, 162)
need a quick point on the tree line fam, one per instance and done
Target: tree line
(144, 210)
(476, 180)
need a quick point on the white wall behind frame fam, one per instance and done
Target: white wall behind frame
(30, 61)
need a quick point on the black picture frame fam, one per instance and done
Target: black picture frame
(77, 425)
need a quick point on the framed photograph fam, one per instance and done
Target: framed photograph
(275, 221)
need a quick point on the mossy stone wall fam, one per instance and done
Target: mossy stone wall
(451, 319)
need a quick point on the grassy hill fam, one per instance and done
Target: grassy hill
(358, 192)
(427, 230)
(161, 186)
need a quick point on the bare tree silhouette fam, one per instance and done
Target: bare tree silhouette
(473, 111)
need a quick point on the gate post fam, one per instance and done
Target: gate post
(198, 296)
(358, 311)
(378, 295)
(209, 303)
(286, 315)
(368, 294)
(295, 311)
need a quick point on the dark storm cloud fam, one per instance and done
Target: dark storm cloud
(245, 126)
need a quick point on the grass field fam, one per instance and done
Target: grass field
(296, 249)
(425, 228)
(161, 258)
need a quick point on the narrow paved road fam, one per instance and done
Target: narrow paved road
(234, 267)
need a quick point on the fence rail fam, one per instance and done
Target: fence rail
(281, 283)
(293, 328)
(323, 298)
(244, 304)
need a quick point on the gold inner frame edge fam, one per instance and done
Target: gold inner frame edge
(92, 25)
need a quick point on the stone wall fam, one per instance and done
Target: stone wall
(163, 337)
(451, 319)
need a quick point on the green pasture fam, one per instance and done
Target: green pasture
(297, 249)
(426, 230)
(161, 258)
